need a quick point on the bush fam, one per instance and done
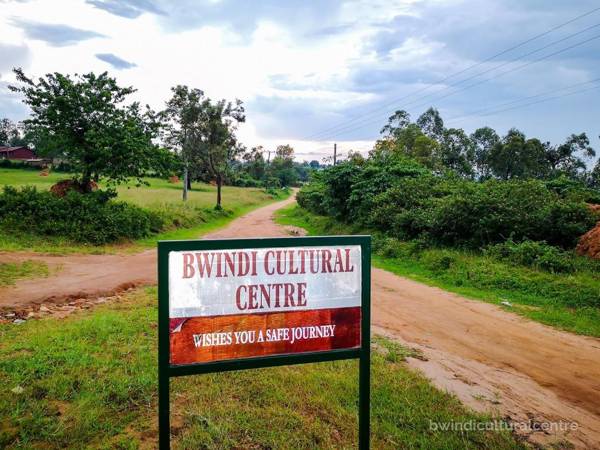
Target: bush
(406, 201)
(477, 214)
(311, 197)
(10, 164)
(540, 255)
(533, 254)
(438, 260)
(92, 218)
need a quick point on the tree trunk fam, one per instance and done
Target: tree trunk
(86, 182)
(185, 183)
(219, 184)
(189, 183)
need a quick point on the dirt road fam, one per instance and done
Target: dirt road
(491, 359)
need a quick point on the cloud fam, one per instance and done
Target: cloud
(303, 67)
(130, 9)
(10, 105)
(115, 61)
(56, 35)
(13, 56)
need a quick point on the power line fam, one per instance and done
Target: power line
(483, 111)
(533, 52)
(395, 100)
(543, 100)
(514, 69)
(580, 91)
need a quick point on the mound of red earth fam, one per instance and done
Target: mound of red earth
(589, 243)
(61, 188)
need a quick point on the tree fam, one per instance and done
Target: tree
(284, 151)
(182, 122)
(6, 130)
(594, 177)
(282, 166)
(457, 151)
(396, 123)
(564, 158)
(431, 123)
(214, 138)
(314, 164)
(85, 121)
(515, 156)
(484, 139)
(255, 163)
(11, 133)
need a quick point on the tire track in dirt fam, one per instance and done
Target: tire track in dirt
(492, 360)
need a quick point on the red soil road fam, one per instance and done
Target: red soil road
(493, 360)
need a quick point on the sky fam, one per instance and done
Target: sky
(311, 73)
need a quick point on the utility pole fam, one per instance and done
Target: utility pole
(334, 153)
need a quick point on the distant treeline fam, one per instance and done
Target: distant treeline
(485, 154)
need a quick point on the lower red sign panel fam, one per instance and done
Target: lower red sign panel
(204, 339)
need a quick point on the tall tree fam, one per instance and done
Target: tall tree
(515, 156)
(11, 133)
(484, 139)
(431, 124)
(594, 176)
(569, 157)
(396, 123)
(85, 120)
(282, 166)
(457, 152)
(255, 162)
(182, 123)
(215, 139)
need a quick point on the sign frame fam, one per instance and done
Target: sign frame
(363, 353)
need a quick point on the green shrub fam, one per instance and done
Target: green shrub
(393, 248)
(438, 260)
(540, 255)
(406, 201)
(88, 218)
(10, 164)
(532, 254)
(311, 197)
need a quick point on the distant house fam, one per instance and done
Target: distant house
(21, 153)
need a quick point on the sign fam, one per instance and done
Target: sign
(241, 303)
(246, 303)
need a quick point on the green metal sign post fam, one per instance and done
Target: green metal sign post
(166, 370)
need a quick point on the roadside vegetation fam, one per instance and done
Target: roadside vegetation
(489, 217)
(31, 218)
(11, 272)
(89, 380)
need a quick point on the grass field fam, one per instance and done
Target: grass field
(196, 216)
(549, 298)
(90, 381)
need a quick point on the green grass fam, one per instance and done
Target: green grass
(11, 272)
(191, 219)
(565, 301)
(90, 381)
(18, 177)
